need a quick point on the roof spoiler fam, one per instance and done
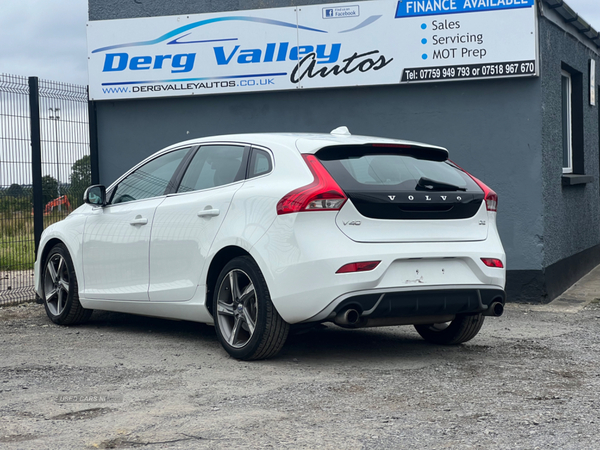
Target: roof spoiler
(336, 152)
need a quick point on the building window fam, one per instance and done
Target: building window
(572, 124)
(567, 124)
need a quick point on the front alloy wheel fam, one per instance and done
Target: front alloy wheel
(56, 284)
(246, 321)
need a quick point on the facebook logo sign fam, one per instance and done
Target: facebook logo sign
(340, 12)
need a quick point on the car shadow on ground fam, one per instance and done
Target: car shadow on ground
(395, 344)
(317, 344)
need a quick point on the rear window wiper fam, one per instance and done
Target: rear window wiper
(433, 185)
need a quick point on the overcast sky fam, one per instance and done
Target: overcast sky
(47, 38)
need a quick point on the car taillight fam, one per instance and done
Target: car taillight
(490, 197)
(493, 262)
(323, 194)
(364, 266)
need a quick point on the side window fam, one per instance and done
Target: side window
(150, 180)
(260, 163)
(566, 122)
(212, 166)
(572, 120)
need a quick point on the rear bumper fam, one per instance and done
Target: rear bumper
(396, 303)
(300, 254)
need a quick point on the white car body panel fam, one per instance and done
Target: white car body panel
(193, 310)
(116, 244)
(183, 231)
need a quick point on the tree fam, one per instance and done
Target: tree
(81, 178)
(49, 188)
(15, 190)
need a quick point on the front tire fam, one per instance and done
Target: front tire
(461, 329)
(59, 284)
(246, 321)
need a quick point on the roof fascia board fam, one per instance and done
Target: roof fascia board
(561, 14)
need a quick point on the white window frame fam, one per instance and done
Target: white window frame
(569, 120)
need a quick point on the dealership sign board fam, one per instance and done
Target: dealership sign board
(319, 46)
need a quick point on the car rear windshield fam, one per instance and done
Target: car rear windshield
(370, 168)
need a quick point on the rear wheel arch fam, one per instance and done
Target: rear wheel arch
(246, 321)
(221, 258)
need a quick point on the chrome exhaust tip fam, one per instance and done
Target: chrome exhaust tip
(347, 318)
(496, 309)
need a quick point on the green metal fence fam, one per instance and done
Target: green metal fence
(44, 169)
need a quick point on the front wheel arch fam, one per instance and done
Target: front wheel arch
(46, 250)
(57, 275)
(43, 253)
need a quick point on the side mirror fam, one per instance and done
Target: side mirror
(95, 195)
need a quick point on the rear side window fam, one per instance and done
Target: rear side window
(260, 163)
(212, 166)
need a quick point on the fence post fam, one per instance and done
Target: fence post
(93, 141)
(36, 160)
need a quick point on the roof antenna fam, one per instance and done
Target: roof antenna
(341, 131)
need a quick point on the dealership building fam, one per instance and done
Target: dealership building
(510, 87)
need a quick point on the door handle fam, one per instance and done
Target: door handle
(208, 213)
(139, 220)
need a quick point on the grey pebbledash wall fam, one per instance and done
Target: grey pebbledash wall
(570, 243)
(571, 211)
(506, 132)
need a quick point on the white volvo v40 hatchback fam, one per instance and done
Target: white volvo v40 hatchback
(258, 232)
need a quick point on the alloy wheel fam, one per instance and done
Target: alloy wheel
(237, 308)
(56, 284)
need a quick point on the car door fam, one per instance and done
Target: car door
(116, 237)
(186, 223)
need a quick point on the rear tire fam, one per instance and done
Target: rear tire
(461, 329)
(246, 321)
(59, 284)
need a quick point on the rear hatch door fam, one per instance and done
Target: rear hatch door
(405, 194)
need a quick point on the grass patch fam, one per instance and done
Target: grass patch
(17, 250)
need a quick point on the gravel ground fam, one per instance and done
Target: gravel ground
(529, 380)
